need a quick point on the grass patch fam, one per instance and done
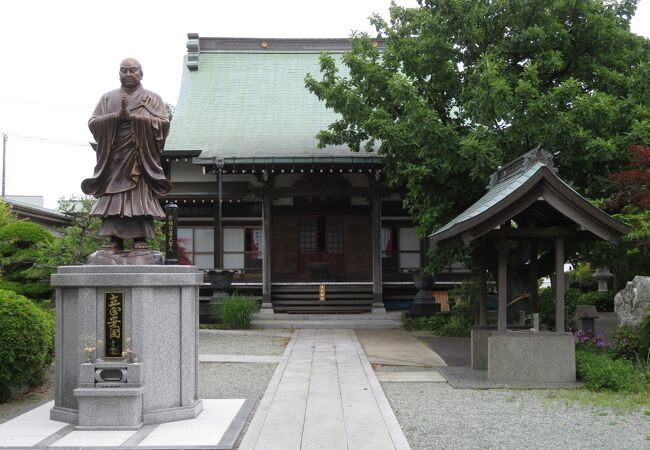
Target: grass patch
(236, 311)
(620, 402)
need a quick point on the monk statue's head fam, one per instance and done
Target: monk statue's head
(130, 73)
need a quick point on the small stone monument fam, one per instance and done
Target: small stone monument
(127, 325)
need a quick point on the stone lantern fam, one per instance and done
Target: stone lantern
(602, 275)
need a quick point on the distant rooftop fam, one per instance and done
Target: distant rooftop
(31, 207)
(34, 200)
(246, 97)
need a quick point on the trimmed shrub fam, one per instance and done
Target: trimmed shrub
(600, 372)
(26, 342)
(236, 311)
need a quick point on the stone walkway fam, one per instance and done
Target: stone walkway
(324, 395)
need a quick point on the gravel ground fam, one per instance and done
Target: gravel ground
(216, 343)
(234, 380)
(437, 416)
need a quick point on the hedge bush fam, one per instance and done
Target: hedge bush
(600, 372)
(236, 311)
(26, 342)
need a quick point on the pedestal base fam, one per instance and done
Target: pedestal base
(159, 327)
(125, 258)
(109, 408)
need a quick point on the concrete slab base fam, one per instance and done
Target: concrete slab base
(217, 426)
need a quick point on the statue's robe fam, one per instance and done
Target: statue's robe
(128, 177)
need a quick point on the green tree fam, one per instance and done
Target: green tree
(19, 252)
(463, 86)
(75, 242)
(629, 201)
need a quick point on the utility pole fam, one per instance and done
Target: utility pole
(4, 161)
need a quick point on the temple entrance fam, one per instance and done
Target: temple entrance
(321, 245)
(322, 248)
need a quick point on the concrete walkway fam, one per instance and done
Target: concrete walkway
(397, 348)
(324, 395)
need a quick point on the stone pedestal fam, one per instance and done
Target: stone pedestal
(157, 379)
(527, 356)
(479, 347)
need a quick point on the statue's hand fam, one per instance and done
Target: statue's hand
(124, 114)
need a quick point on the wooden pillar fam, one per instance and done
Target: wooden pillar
(502, 323)
(559, 284)
(218, 237)
(266, 255)
(377, 289)
(534, 303)
(482, 312)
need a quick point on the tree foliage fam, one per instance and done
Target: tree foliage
(629, 201)
(75, 242)
(464, 86)
(19, 252)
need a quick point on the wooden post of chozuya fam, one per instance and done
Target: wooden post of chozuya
(171, 234)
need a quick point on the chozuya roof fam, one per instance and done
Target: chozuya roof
(528, 188)
(245, 98)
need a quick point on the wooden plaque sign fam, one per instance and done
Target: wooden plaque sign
(114, 323)
(321, 292)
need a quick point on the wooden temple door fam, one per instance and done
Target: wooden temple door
(285, 248)
(321, 248)
(358, 248)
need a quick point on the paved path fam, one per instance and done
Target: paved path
(324, 395)
(397, 348)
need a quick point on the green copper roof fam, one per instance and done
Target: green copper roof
(244, 104)
(495, 195)
(515, 188)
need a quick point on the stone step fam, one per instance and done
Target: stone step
(394, 316)
(378, 324)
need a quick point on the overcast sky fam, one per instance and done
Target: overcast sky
(58, 57)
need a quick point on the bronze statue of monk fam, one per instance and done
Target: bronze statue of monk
(130, 126)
